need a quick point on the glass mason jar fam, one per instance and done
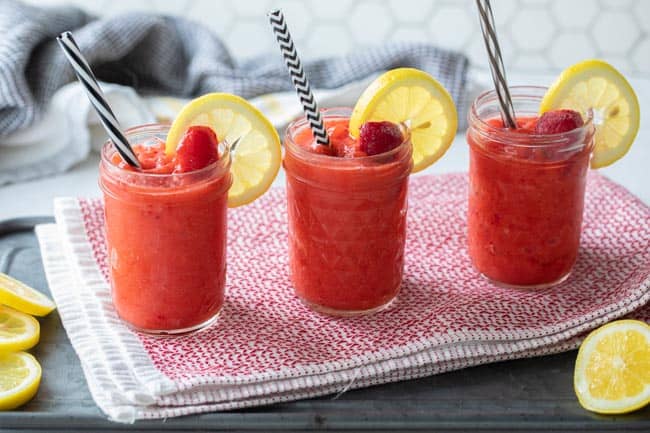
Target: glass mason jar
(166, 239)
(526, 194)
(347, 222)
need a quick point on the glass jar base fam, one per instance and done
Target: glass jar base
(346, 313)
(542, 286)
(162, 332)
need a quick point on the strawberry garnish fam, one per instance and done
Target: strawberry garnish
(198, 149)
(379, 137)
(558, 121)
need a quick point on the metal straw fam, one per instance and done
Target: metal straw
(97, 98)
(298, 76)
(496, 63)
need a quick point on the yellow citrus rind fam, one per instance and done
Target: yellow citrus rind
(414, 98)
(258, 155)
(596, 88)
(21, 297)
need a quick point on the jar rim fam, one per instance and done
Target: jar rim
(479, 125)
(108, 149)
(335, 112)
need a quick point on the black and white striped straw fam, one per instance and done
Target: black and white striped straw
(96, 96)
(496, 63)
(300, 82)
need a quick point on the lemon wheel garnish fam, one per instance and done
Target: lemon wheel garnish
(20, 375)
(612, 372)
(596, 85)
(258, 155)
(23, 298)
(415, 98)
(18, 331)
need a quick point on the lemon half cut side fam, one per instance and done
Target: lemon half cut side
(612, 371)
(20, 376)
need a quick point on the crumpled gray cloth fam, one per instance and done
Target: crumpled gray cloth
(170, 55)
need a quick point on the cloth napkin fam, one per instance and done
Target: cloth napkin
(147, 54)
(267, 347)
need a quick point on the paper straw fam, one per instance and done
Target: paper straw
(97, 98)
(300, 82)
(496, 63)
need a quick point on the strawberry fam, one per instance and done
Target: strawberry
(558, 121)
(198, 149)
(379, 137)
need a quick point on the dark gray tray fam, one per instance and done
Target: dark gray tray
(532, 394)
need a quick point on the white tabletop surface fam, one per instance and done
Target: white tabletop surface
(35, 197)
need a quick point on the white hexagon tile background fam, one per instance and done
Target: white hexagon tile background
(536, 35)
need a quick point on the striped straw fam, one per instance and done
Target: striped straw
(300, 82)
(96, 96)
(496, 63)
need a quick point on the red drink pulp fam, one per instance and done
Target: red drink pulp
(166, 235)
(526, 193)
(347, 218)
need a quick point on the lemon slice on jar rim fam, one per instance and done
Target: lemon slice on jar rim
(258, 154)
(597, 86)
(416, 99)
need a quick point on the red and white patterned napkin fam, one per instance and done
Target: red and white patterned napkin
(267, 347)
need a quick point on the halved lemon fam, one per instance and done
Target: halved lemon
(21, 297)
(598, 86)
(415, 98)
(258, 154)
(18, 331)
(20, 375)
(612, 372)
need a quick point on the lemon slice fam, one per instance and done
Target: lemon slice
(18, 331)
(258, 154)
(23, 298)
(20, 375)
(612, 373)
(596, 85)
(415, 98)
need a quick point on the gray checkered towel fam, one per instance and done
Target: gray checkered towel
(170, 55)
